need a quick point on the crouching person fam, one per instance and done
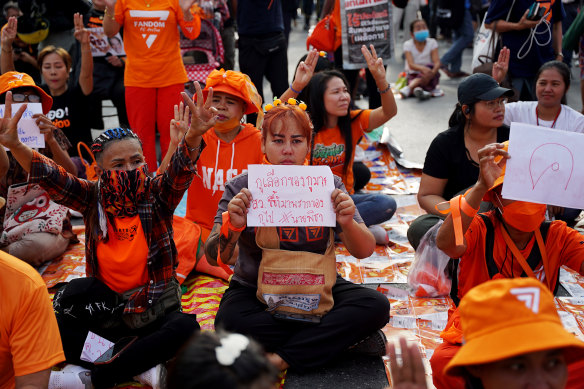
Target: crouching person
(131, 289)
(299, 341)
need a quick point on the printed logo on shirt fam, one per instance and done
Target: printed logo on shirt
(332, 155)
(217, 181)
(313, 233)
(289, 234)
(126, 233)
(149, 23)
(529, 296)
(60, 117)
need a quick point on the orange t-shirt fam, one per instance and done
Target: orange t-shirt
(29, 336)
(329, 147)
(219, 162)
(564, 246)
(151, 42)
(121, 262)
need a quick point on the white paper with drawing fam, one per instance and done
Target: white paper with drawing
(28, 131)
(546, 166)
(285, 195)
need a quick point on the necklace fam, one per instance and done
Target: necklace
(554, 122)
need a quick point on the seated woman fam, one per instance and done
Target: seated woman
(130, 253)
(422, 63)
(452, 162)
(511, 241)
(552, 82)
(512, 341)
(338, 128)
(37, 237)
(357, 312)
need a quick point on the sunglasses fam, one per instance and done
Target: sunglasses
(20, 98)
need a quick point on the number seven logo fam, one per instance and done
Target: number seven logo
(529, 296)
(149, 22)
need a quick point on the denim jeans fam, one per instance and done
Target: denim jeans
(464, 35)
(374, 208)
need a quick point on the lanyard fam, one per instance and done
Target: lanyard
(555, 120)
(521, 259)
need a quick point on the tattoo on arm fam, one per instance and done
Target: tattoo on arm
(217, 240)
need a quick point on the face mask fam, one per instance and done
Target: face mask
(121, 190)
(421, 35)
(226, 126)
(524, 216)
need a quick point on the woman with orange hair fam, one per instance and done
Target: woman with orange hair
(357, 314)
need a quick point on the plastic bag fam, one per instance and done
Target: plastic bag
(428, 275)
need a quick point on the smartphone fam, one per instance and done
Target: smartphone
(113, 352)
(536, 11)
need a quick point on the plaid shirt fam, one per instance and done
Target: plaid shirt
(165, 192)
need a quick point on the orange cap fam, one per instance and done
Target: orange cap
(509, 317)
(13, 80)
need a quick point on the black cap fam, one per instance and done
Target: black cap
(480, 87)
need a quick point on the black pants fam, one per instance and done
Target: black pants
(357, 313)
(264, 56)
(157, 343)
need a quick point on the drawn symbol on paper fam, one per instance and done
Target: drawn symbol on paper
(561, 166)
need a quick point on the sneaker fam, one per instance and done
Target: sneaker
(422, 94)
(155, 377)
(71, 377)
(380, 234)
(405, 92)
(373, 345)
(437, 92)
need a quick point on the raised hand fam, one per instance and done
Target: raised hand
(180, 124)
(410, 373)
(501, 67)
(9, 33)
(374, 63)
(203, 115)
(81, 33)
(305, 70)
(9, 124)
(344, 207)
(238, 208)
(492, 158)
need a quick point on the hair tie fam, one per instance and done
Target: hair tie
(230, 349)
(291, 101)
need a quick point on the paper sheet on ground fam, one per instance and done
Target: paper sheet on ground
(28, 131)
(546, 166)
(94, 347)
(285, 195)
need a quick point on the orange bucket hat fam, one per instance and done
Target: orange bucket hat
(236, 84)
(509, 317)
(13, 80)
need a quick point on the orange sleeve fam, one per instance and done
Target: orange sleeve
(35, 342)
(190, 29)
(570, 246)
(119, 12)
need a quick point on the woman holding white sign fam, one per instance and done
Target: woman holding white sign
(279, 320)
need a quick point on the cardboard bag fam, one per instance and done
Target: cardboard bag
(295, 282)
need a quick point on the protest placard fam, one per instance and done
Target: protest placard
(102, 46)
(28, 131)
(284, 195)
(543, 167)
(366, 22)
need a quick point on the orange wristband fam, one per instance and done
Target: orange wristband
(458, 204)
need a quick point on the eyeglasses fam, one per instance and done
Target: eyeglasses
(19, 98)
(493, 104)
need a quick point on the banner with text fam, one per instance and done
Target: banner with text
(366, 22)
(28, 132)
(285, 195)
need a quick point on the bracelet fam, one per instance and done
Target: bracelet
(109, 14)
(560, 54)
(385, 90)
(295, 91)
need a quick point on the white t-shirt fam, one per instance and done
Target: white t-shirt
(524, 112)
(423, 57)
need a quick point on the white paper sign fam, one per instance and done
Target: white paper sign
(286, 195)
(545, 166)
(94, 347)
(28, 131)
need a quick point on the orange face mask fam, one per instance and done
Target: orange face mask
(226, 126)
(524, 216)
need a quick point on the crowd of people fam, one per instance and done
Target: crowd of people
(64, 60)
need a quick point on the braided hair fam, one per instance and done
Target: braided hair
(108, 136)
(99, 145)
